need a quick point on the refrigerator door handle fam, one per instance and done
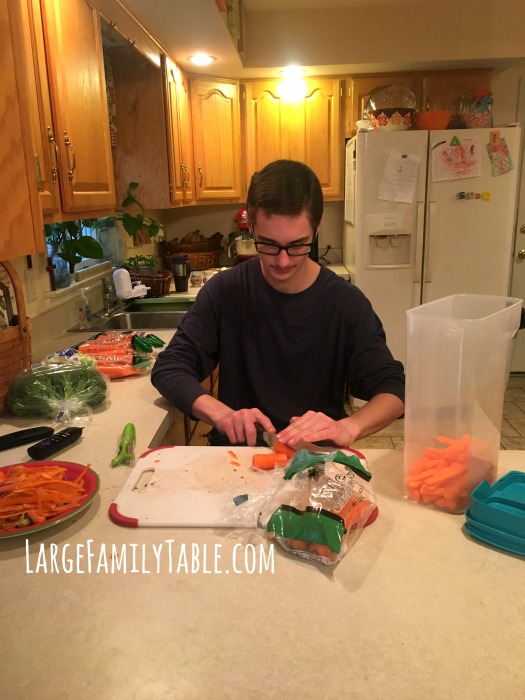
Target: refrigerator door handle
(420, 230)
(429, 244)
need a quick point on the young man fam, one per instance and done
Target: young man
(288, 335)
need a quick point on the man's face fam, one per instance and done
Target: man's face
(285, 272)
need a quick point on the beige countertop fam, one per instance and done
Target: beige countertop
(417, 609)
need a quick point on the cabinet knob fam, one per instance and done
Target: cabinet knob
(521, 254)
(522, 228)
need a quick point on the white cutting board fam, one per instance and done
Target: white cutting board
(194, 487)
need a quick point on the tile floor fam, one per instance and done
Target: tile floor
(512, 428)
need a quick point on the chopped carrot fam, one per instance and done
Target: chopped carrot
(281, 448)
(268, 460)
(232, 454)
(38, 493)
(234, 463)
(439, 475)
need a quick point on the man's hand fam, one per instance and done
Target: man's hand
(314, 427)
(238, 426)
(242, 425)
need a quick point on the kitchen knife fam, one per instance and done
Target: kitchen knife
(269, 438)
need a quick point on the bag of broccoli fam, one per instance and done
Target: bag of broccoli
(57, 390)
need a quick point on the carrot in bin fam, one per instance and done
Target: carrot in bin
(439, 475)
(268, 460)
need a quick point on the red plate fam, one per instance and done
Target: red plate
(73, 470)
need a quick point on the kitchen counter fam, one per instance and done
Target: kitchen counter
(417, 609)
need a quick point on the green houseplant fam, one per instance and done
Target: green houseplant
(68, 240)
(138, 225)
(142, 263)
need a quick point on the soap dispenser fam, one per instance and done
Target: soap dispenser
(84, 312)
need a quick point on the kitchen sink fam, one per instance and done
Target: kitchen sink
(134, 320)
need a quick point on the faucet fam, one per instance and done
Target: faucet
(109, 296)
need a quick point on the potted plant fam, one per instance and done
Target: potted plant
(68, 241)
(138, 225)
(145, 268)
(143, 264)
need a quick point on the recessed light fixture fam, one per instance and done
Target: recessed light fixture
(202, 59)
(293, 87)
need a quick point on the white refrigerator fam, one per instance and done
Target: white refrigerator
(429, 214)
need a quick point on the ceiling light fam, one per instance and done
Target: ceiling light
(202, 59)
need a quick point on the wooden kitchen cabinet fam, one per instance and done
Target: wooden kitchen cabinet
(61, 56)
(360, 88)
(21, 214)
(77, 87)
(180, 145)
(447, 89)
(308, 129)
(215, 111)
(433, 90)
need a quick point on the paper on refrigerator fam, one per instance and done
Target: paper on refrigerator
(398, 181)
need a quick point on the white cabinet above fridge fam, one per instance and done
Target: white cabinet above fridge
(429, 214)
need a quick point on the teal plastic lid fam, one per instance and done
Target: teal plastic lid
(497, 513)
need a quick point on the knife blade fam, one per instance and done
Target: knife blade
(269, 438)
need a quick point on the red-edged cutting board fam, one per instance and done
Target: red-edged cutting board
(194, 487)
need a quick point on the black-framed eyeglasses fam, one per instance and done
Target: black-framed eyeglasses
(294, 250)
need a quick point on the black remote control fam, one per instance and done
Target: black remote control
(55, 443)
(22, 437)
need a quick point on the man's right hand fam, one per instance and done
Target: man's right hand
(239, 426)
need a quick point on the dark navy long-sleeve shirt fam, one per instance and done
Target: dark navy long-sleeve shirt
(282, 353)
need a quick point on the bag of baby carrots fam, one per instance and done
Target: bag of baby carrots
(321, 505)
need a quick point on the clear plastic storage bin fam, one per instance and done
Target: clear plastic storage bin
(457, 367)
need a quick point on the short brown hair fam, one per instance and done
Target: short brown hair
(286, 187)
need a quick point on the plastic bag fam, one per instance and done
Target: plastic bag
(321, 505)
(120, 354)
(66, 392)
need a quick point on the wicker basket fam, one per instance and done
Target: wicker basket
(201, 255)
(197, 261)
(15, 342)
(159, 282)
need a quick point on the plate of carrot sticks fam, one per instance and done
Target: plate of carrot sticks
(38, 495)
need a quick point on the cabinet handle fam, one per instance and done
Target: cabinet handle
(72, 165)
(52, 140)
(200, 174)
(187, 179)
(182, 175)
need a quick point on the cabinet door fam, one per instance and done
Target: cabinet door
(307, 129)
(450, 89)
(180, 155)
(78, 98)
(323, 137)
(216, 139)
(21, 216)
(33, 63)
(266, 132)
